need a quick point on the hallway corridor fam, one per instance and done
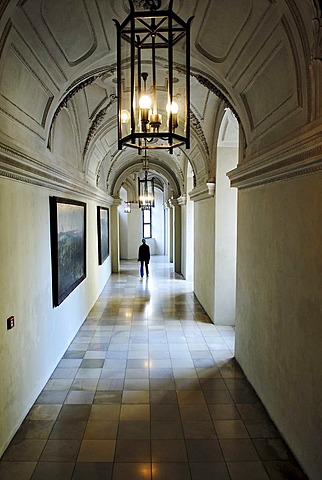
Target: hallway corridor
(148, 389)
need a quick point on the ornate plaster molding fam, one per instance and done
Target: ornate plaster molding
(117, 201)
(73, 90)
(297, 158)
(23, 168)
(200, 193)
(199, 131)
(219, 90)
(96, 122)
(182, 200)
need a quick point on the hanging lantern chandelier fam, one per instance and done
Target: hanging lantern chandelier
(153, 97)
(127, 208)
(146, 192)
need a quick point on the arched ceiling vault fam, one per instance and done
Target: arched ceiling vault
(257, 57)
(173, 185)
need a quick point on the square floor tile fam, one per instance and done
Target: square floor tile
(64, 373)
(35, 429)
(101, 430)
(97, 451)
(238, 450)
(105, 412)
(163, 397)
(261, 429)
(113, 384)
(109, 397)
(162, 384)
(81, 397)
(135, 397)
(230, 429)
(53, 471)
(217, 396)
(130, 450)
(168, 451)
(16, 470)
(136, 373)
(68, 429)
(136, 384)
(135, 413)
(52, 397)
(209, 471)
(194, 412)
(24, 450)
(131, 471)
(204, 450)
(247, 470)
(191, 397)
(74, 412)
(252, 411)
(166, 429)
(223, 411)
(60, 451)
(165, 412)
(93, 471)
(199, 429)
(69, 363)
(139, 430)
(74, 353)
(87, 384)
(44, 412)
(88, 373)
(59, 384)
(167, 471)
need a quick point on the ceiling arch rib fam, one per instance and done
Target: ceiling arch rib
(167, 176)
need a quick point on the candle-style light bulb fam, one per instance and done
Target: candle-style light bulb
(173, 108)
(125, 116)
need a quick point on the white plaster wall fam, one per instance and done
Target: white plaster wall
(204, 241)
(31, 350)
(184, 240)
(158, 223)
(225, 241)
(187, 224)
(124, 219)
(189, 233)
(131, 234)
(279, 308)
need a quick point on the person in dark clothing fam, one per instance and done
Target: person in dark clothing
(144, 257)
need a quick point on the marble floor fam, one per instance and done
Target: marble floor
(148, 389)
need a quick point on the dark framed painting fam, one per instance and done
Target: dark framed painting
(68, 246)
(103, 234)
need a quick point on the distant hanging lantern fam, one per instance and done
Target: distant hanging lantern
(146, 192)
(127, 208)
(153, 98)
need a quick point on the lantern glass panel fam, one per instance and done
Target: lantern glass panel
(125, 90)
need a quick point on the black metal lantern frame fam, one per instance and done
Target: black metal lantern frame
(127, 208)
(153, 103)
(146, 192)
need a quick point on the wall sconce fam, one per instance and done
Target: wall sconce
(149, 43)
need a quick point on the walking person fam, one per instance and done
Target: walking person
(144, 257)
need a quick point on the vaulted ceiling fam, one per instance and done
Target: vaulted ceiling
(58, 85)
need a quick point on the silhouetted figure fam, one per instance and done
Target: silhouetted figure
(144, 257)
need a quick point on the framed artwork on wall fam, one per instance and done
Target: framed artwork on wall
(103, 234)
(68, 246)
